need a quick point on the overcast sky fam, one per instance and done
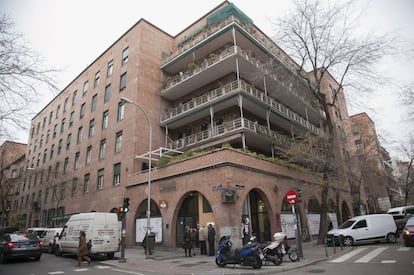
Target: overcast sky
(70, 34)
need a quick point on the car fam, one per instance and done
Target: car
(39, 231)
(19, 245)
(408, 232)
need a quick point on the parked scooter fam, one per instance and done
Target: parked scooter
(248, 255)
(283, 247)
(270, 253)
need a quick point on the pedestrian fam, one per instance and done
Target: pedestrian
(144, 244)
(211, 235)
(194, 239)
(187, 244)
(245, 231)
(202, 239)
(83, 249)
(89, 246)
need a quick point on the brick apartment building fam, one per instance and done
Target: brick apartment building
(221, 120)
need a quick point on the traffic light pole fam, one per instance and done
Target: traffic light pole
(123, 260)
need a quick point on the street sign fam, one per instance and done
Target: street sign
(291, 196)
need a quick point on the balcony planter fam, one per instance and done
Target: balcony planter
(191, 66)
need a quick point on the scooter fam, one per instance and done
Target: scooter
(283, 247)
(270, 253)
(248, 255)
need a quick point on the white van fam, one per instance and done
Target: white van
(402, 210)
(101, 228)
(49, 239)
(363, 229)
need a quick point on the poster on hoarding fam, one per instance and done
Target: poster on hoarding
(155, 227)
(288, 223)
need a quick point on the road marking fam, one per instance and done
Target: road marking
(371, 255)
(403, 249)
(103, 266)
(388, 262)
(55, 272)
(81, 269)
(348, 255)
(126, 271)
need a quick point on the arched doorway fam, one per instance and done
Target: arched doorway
(195, 210)
(255, 208)
(142, 221)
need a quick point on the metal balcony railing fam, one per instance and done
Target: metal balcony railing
(236, 86)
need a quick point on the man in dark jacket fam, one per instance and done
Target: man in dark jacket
(211, 235)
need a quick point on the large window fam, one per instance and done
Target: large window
(85, 88)
(105, 118)
(100, 181)
(65, 165)
(117, 174)
(82, 110)
(86, 183)
(102, 147)
(118, 142)
(93, 104)
(80, 133)
(107, 92)
(89, 155)
(74, 97)
(76, 163)
(122, 84)
(62, 127)
(91, 127)
(71, 118)
(69, 138)
(110, 68)
(97, 78)
(121, 110)
(125, 56)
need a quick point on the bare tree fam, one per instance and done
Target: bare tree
(406, 172)
(407, 98)
(323, 40)
(21, 78)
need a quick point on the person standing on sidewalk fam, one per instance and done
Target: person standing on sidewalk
(202, 238)
(83, 248)
(187, 244)
(211, 235)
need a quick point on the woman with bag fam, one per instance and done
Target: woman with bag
(187, 244)
(83, 249)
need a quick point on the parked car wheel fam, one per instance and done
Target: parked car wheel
(391, 238)
(348, 241)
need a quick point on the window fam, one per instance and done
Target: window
(88, 155)
(60, 146)
(85, 88)
(117, 174)
(65, 165)
(91, 128)
(358, 144)
(41, 141)
(65, 105)
(71, 118)
(360, 224)
(57, 168)
(68, 141)
(50, 120)
(93, 104)
(74, 97)
(57, 111)
(76, 162)
(121, 109)
(79, 136)
(105, 117)
(82, 110)
(52, 151)
(118, 142)
(44, 123)
(100, 181)
(44, 155)
(122, 84)
(62, 127)
(54, 131)
(86, 182)
(97, 78)
(125, 56)
(107, 93)
(47, 135)
(102, 147)
(110, 68)
(74, 186)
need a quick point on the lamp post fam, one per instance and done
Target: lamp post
(127, 100)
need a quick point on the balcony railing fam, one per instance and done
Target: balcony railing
(236, 86)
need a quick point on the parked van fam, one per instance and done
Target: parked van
(402, 210)
(363, 229)
(49, 240)
(101, 228)
(38, 231)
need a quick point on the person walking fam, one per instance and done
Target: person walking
(187, 244)
(211, 235)
(202, 239)
(83, 249)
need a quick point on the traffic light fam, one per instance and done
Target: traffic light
(121, 210)
(126, 205)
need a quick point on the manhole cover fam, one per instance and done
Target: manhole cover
(317, 271)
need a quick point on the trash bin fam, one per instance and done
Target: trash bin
(151, 241)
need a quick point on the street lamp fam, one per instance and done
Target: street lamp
(127, 100)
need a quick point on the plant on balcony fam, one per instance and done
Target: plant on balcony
(191, 66)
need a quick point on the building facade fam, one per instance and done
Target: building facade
(224, 104)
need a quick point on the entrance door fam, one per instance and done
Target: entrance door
(188, 215)
(259, 217)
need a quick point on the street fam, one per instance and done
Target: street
(379, 259)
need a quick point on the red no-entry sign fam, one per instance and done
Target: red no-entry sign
(291, 196)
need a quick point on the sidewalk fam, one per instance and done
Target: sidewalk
(173, 261)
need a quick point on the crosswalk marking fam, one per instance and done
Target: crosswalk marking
(403, 249)
(80, 269)
(348, 255)
(55, 272)
(102, 266)
(371, 255)
(388, 262)
(127, 271)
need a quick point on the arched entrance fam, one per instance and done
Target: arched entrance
(142, 221)
(195, 210)
(255, 208)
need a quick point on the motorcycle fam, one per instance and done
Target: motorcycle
(270, 253)
(248, 255)
(283, 247)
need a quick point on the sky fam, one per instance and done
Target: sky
(71, 34)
